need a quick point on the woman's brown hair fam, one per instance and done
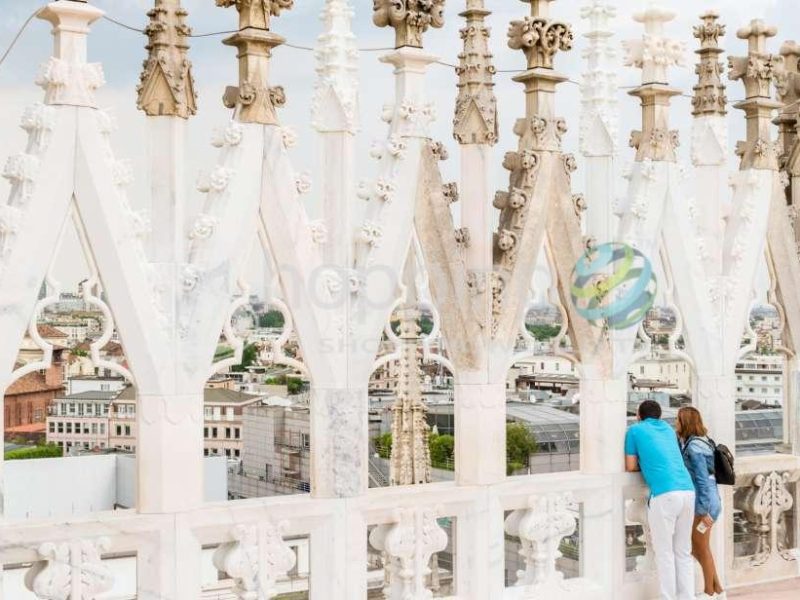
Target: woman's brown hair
(689, 423)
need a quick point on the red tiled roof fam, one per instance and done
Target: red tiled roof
(28, 428)
(31, 384)
(48, 331)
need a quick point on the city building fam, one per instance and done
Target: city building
(80, 420)
(276, 452)
(759, 381)
(27, 399)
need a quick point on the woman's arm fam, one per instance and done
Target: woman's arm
(702, 485)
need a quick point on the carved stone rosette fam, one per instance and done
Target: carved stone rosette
(476, 105)
(410, 18)
(757, 71)
(254, 98)
(166, 85)
(410, 459)
(407, 545)
(709, 92)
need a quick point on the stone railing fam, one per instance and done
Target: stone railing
(765, 527)
(555, 535)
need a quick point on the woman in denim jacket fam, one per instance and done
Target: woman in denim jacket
(698, 454)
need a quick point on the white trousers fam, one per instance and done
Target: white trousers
(670, 517)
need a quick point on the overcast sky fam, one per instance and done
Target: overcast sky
(121, 52)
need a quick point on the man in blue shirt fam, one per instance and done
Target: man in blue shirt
(651, 446)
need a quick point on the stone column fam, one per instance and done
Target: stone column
(599, 119)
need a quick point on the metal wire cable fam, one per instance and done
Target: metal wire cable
(19, 33)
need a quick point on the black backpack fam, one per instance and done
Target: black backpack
(724, 472)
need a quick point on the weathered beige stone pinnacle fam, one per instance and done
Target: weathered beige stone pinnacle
(166, 85)
(410, 18)
(757, 71)
(540, 134)
(476, 105)
(709, 92)
(788, 89)
(254, 98)
(410, 458)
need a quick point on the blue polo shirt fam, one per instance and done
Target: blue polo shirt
(655, 444)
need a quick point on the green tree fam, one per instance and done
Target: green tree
(383, 444)
(249, 356)
(48, 451)
(272, 319)
(543, 332)
(520, 444)
(442, 448)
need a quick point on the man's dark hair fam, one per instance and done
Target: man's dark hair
(649, 409)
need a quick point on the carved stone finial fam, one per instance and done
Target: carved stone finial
(538, 36)
(709, 93)
(599, 117)
(257, 13)
(67, 77)
(653, 54)
(255, 99)
(476, 105)
(410, 18)
(166, 86)
(757, 71)
(335, 104)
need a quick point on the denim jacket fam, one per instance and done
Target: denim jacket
(699, 458)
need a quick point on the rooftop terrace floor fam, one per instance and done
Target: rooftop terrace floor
(783, 590)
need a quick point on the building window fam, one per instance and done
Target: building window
(227, 433)
(51, 427)
(205, 432)
(208, 412)
(127, 430)
(228, 452)
(119, 430)
(306, 440)
(214, 432)
(102, 428)
(69, 426)
(60, 427)
(105, 387)
(205, 451)
(94, 428)
(236, 433)
(236, 453)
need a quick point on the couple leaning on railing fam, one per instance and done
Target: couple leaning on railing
(682, 467)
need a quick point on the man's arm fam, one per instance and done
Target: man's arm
(631, 463)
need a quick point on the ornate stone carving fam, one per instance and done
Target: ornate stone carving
(476, 105)
(68, 82)
(21, 169)
(335, 103)
(548, 519)
(653, 54)
(72, 570)
(255, 100)
(410, 18)
(407, 545)
(255, 560)
(788, 88)
(410, 458)
(709, 92)
(462, 236)
(450, 192)
(599, 85)
(166, 85)
(757, 71)
(539, 37)
(636, 512)
(765, 504)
